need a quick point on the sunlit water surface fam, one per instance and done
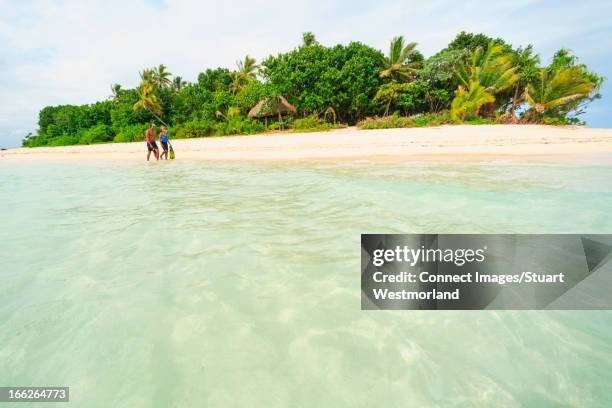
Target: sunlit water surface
(194, 284)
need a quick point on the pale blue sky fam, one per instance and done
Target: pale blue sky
(69, 52)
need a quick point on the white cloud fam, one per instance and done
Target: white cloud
(62, 52)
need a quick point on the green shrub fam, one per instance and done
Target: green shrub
(561, 120)
(131, 133)
(238, 125)
(385, 122)
(308, 122)
(274, 126)
(37, 141)
(440, 118)
(196, 128)
(396, 121)
(63, 140)
(421, 121)
(434, 119)
(311, 123)
(95, 134)
(480, 121)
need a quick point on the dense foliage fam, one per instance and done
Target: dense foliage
(475, 79)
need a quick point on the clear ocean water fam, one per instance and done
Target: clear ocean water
(191, 284)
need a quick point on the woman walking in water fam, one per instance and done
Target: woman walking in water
(164, 139)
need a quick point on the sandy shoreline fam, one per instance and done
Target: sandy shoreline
(445, 143)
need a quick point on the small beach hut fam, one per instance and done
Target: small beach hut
(330, 112)
(270, 107)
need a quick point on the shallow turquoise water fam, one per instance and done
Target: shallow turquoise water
(211, 284)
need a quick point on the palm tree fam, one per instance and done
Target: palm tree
(147, 76)
(148, 101)
(550, 90)
(398, 64)
(527, 63)
(117, 91)
(491, 71)
(468, 100)
(161, 77)
(248, 68)
(494, 69)
(247, 72)
(178, 83)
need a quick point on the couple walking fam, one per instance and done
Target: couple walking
(152, 145)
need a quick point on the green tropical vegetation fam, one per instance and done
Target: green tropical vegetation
(476, 79)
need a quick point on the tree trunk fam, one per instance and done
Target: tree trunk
(429, 100)
(514, 103)
(158, 118)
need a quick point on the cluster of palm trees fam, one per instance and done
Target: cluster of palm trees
(487, 73)
(159, 78)
(487, 77)
(544, 89)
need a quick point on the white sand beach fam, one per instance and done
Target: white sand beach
(445, 143)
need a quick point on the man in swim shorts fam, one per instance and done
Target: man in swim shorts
(151, 145)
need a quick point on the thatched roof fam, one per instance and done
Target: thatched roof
(267, 108)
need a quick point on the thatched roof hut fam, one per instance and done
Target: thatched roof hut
(272, 107)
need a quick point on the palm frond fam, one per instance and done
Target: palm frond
(549, 90)
(396, 65)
